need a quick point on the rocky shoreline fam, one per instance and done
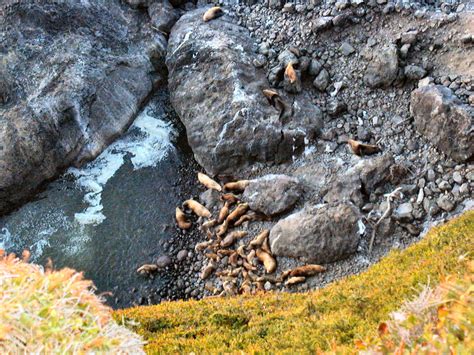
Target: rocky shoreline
(272, 94)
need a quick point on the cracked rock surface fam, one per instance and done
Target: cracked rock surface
(217, 92)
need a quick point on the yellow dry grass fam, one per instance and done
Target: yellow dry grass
(55, 312)
(334, 318)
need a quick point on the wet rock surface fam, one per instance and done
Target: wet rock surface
(75, 77)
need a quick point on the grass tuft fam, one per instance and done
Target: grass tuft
(55, 312)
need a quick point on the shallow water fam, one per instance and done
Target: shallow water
(115, 213)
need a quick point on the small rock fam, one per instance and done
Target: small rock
(314, 67)
(321, 81)
(414, 72)
(336, 107)
(346, 49)
(445, 202)
(322, 23)
(457, 177)
(383, 69)
(163, 261)
(182, 255)
(404, 212)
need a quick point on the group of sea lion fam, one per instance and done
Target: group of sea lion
(242, 274)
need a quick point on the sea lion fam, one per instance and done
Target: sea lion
(307, 270)
(290, 73)
(295, 280)
(208, 182)
(197, 208)
(222, 229)
(362, 149)
(268, 261)
(207, 271)
(249, 266)
(209, 224)
(237, 185)
(237, 212)
(202, 246)
(266, 246)
(250, 257)
(234, 259)
(260, 239)
(251, 216)
(225, 252)
(212, 256)
(245, 287)
(223, 213)
(232, 238)
(181, 220)
(276, 101)
(230, 197)
(212, 13)
(241, 251)
(147, 269)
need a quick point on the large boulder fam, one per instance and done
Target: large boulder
(74, 75)
(272, 194)
(217, 93)
(359, 181)
(318, 234)
(383, 68)
(446, 122)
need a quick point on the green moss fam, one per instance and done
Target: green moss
(339, 314)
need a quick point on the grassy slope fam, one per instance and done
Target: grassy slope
(338, 314)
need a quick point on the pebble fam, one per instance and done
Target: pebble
(404, 212)
(346, 49)
(445, 203)
(457, 177)
(163, 261)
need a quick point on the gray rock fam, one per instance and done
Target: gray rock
(457, 177)
(163, 261)
(286, 57)
(321, 81)
(210, 198)
(321, 24)
(444, 121)
(336, 107)
(445, 202)
(363, 178)
(319, 234)
(272, 194)
(314, 67)
(77, 75)
(414, 72)
(404, 212)
(346, 49)
(182, 255)
(229, 123)
(383, 68)
(163, 15)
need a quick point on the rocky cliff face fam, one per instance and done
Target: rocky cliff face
(73, 76)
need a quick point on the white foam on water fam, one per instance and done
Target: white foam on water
(147, 142)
